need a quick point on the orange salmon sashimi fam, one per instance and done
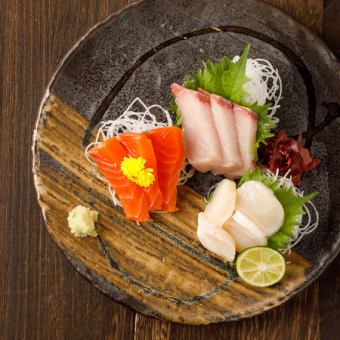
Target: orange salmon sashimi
(108, 156)
(139, 145)
(169, 150)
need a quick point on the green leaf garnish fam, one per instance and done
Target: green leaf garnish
(264, 124)
(292, 206)
(235, 77)
(175, 109)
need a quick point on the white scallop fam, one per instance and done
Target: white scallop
(222, 204)
(215, 239)
(258, 203)
(244, 231)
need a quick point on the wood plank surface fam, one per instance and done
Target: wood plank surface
(42, 296)
(308, 13)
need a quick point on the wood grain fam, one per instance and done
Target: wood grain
(41, 295)
(331, 27)
(309, 13)
(150, 328)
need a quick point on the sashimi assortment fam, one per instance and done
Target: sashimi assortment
(225, 121)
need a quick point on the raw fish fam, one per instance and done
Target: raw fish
(246, 127)
(258, 202)
(215, 239)
(139, 145)
(169, 150)
(108, 156)
(244, 231)
(222, 203)
(202, 146)
(222, 112)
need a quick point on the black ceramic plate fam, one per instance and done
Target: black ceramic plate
(140, 52)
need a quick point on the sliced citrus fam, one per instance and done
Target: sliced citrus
(260, 266)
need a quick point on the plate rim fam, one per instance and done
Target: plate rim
(93, 277)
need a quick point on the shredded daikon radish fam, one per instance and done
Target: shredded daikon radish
(265, 84)
(135, 121)
(114, 197)
(210, 193)
(186, 173)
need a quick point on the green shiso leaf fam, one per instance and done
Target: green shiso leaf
(235, 77)
(264, 124)
(174, 108)
(227, 79)
(292, 206)
(279, 240)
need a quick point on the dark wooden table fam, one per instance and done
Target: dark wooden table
(41, 295)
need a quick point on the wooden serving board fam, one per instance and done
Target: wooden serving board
(158, 268)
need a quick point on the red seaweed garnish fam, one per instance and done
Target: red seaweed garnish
(286, 153)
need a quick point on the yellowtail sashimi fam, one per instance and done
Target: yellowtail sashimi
(201, 143)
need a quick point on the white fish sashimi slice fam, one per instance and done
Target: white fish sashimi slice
(222, 111)
(260, 204)
(244, 231)
(222, 203)
(215, 239)
(201, 143)
(246, 127)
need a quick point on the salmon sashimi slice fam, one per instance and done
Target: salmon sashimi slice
(108, 156)
(202, 146)
(223, 116)
(139, 145)
(169, 149)
(246, 127)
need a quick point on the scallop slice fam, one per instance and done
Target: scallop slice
(258, 202)
(222, 204)
(244, 231)
(215, 239)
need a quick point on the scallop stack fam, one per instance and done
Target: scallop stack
(236, 219)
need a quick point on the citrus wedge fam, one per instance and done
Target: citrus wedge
(260, 266)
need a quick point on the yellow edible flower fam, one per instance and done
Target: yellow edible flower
(134, 169)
